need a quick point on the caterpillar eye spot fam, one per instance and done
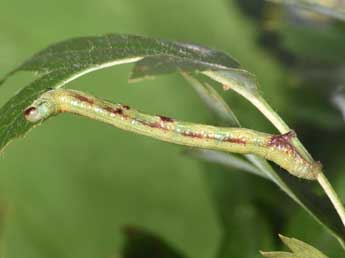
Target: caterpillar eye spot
(29, 111)
(31, 114)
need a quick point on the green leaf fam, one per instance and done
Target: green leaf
(213, 101)
(63, 62)
(335, 9)
(94, 53)
(299, 250)
(311, 232)
(141, 243)
(229, 160)
(162, 64)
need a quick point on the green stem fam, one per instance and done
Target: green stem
(329, 190)
(260, 103)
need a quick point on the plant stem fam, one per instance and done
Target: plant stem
(322, 179)
(260, 103)
(329, 190)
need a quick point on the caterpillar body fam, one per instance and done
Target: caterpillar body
(276, 148)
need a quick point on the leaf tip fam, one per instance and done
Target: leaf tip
(3, 79)
(282, 236)
(285, 240)
(7, 75)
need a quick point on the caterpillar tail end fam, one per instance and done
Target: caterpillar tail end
(317, 168)
(313, 172)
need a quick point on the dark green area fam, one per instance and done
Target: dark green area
(141, 244)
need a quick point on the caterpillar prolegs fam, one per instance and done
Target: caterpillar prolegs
(276, 148)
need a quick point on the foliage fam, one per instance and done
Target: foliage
(106, 185)
(299, 250)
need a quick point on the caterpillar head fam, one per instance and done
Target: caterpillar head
(40, 109)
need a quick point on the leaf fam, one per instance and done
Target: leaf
(162, 64)
(334, 9)
(319, 207)
(94, 53)
(213, 101)
(63, 62)
(311, 232)
(299, 250)
(141, 243)
(228, 160)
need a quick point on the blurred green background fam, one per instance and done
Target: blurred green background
(69, 187)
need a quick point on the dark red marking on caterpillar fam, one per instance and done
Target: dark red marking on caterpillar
(84, 99)
(192, 135)
(283, 141)
(126, 107)
(115, 111)
(235, 140)
(166, 119)
(118, 111)
(152, 125)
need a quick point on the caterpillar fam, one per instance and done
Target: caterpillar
(276, 148)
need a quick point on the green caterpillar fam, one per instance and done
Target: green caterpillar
(276, 148)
